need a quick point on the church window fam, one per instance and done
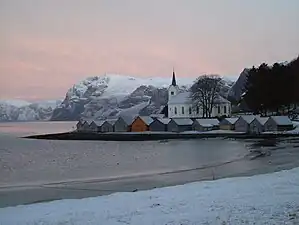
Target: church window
(183, 110)
(224, 109)
(172, 93)
(197, 110)
(190, 110)
(175, 110)
(219, 109)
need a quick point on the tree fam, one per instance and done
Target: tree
(205, 91)
(273, 88)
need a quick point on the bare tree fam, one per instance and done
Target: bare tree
(205, 91)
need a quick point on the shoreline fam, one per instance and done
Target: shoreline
(150, 136)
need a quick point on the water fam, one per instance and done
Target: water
(106, 167)
(20, 129)
(43, 161)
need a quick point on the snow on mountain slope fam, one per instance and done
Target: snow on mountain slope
(120, 85)
(11, 110)
(109, 95)
(14, 102)
(99, 97)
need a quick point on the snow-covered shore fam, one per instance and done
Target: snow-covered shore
(262, 199)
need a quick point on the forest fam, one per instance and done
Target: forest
(273, 89)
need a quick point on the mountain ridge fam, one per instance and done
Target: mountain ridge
(100, 97)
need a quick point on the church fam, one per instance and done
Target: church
(180, 104)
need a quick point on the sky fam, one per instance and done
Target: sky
(46, 46)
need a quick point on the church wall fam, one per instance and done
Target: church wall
(180, 114)
(215, 112)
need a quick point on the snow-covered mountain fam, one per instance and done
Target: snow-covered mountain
(113, 95)
(100, 97)
(19, 110)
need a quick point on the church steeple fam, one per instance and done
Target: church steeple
(173, 89)
(173, 79)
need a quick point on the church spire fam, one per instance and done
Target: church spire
(173, 79)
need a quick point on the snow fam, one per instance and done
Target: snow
(121, 85)
(181, 98)
(99, 123)
(248, 118)
(111, 121)
(282, 120)
(146, 119)
(231, 120)
(262, 120)
(212, 122)
(19, 110)
(164, 120)
(48, 103)
(183, 121)
(262, 199)
(15, 102)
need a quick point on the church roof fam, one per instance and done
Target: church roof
(173, 82)
(220, 99)
(181, 98)
(185, 98)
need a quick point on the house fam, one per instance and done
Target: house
(205, 124)
(121, 125)
(180, 104)
(179, 125)
(141, 123)
(86, 126)
(228, 123)
(96, 126)
(242, 124)
(129, 120)
(106, 126)
(159, 124)
(258, 125)
(80, 124)
(278, 123)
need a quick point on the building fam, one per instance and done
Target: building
(205, 124)
(180, 104)
(86, 126)
(106, 127)
(120, 125)
(129, 120)
(180, 125)
(242, 124)
(141, 124)
(279, 123)
(159, 124)
(228, 123)
(96, 126)
(258, 125)
(80, 124)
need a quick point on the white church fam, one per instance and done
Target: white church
(180, 104)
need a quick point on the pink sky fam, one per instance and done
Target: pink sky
(47, 46)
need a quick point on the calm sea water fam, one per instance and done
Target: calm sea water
(39, 127)
(40, 161)
(28, 161)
